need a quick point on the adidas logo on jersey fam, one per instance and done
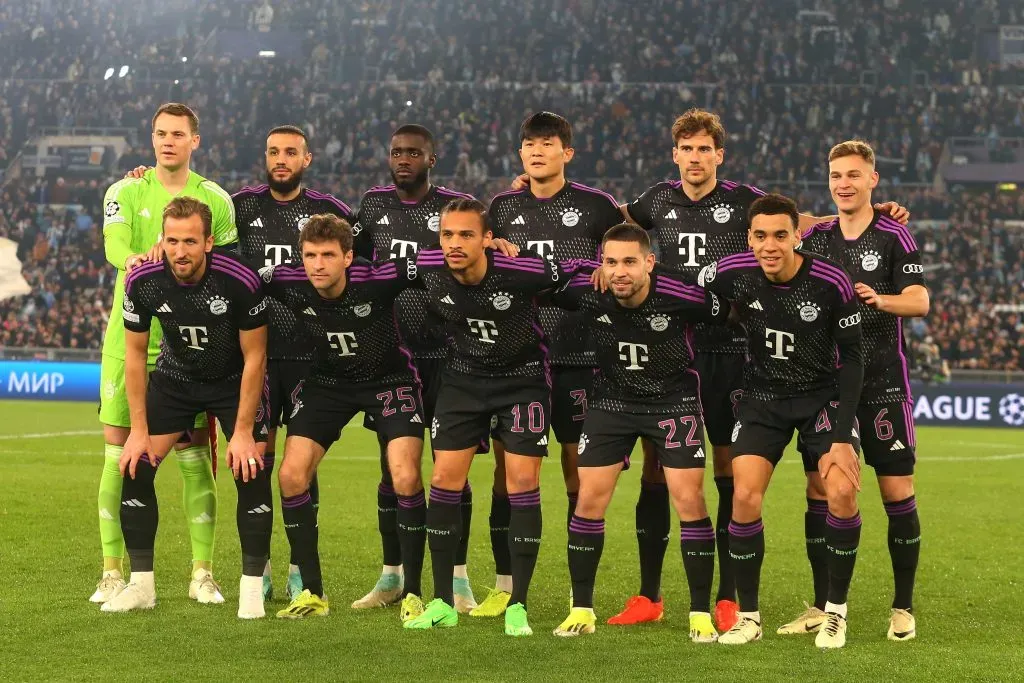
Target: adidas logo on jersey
(105, 514)
(145, 213)
(260, 510)
(204, 518)
(384, 221)
(448, 300)
(605, 319)
(309, 311)
(518, 220)
(671, 214)
(164, 309)
(543, 441)
(416, 420)
(898, 446)
(258, 223)
(756, 305)
(699, 454)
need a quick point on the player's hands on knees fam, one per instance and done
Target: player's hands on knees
(599, 280)
(137, 172)
(156, 253)
(844, 457)
(137, 444)
(243, 457)
(505, 247)
(898, 213)
(521, 182)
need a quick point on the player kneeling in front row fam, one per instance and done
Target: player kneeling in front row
(646, 388)
(358, 366)
(797, 309)
(211, 308)
(497, 366)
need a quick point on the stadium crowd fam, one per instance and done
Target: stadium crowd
(787, 84)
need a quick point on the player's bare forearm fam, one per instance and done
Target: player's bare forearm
(135, 357)
(624, 208)
(912, 302)
(254, 353)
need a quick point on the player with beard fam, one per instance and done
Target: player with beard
(396, 221)
(270, 218)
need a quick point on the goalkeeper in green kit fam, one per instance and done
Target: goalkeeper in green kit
(132, 219)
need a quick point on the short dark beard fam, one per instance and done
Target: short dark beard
(284, 186)
(414, 183)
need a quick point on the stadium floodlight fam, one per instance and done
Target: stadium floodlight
(408, 103)
(108, 74)
(123, 72)
(175, 81)
(267, 53)
(184, 59)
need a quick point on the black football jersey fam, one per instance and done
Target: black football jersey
(268, 235)
(645, 354)
(692, 234)
(387, 228)
(793, 329)
(566, 226)
(493, 325)
(886, 258)
(354, 337)
(200, 321)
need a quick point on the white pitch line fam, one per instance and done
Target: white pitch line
(983, 444)
(49, 435)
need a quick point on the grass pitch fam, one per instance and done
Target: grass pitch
(968, 602)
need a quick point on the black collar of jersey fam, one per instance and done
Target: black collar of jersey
(533, 199)
(680, 198)
(398, 201)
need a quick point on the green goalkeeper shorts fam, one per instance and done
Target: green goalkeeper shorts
(114, 398)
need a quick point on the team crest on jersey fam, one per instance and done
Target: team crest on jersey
(218, 305)
(362, 310)
(502, 301)
(128, 305)
(301, 222)
(809, 311)
(110, 389)
(707, 273)
(434, 222)
(722, 214)
(870, 260)
(111, 209)
(570, 218)
(584, 440)
(267, 273)
(659, 323)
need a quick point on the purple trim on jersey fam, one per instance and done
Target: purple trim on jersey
(678, 184)
(251, 189)
(381, 188)
(908, 415)
(586, 526)
(756, 190)
(365, 274)
(228, 271)
(688, 337)
(531, 265)
(594, 190)
(729, 185)
(452, 193)
(836, 276)
(408, 357)
(245, 275)
(324, 196)
(507, 193)
(139, 271)
(286, 273)
(904, 366)
(824, 226)
(580, 280)
(744, 260)
(679, 290)
(780, 286)
(907, 241)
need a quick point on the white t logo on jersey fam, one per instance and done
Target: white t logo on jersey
(194, 336)
(405, 248)
(779, 343)
(485, 329)
(545, 248)
(633, 354)
(689, 247)
(276, 254)
(343, 342)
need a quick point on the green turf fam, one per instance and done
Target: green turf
(968, 602)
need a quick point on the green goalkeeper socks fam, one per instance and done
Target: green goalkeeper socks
(109, 505)
(199, 500)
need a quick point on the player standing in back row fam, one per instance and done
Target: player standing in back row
(560, 220)
(396, 221)
(270, 218)
(697, 220)
(885, 265)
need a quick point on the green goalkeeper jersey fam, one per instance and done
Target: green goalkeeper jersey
(132, 221)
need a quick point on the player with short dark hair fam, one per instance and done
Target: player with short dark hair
(359, 365)
(642, 330)
(213, 358)
(270, 217)
(697, 220)
(396, 221)
(800, 314)
(885, 265)
(560, 220)
(497, 367)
